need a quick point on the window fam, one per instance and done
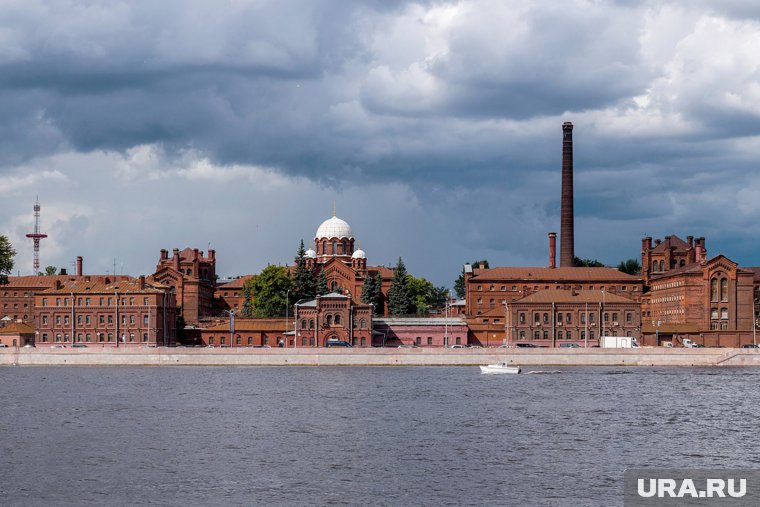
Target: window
(522, 335)
(79, 337)
(145, 319)
(606, 317)
(110, 337)
(591, 317)
(337, 319)
(86, 301)
(303, 324)
(583, 318)
(629, 317)
(311, 323)
(110, 319)
(311, 341)
(418, 341)
(58, 337)
(86, 319)
(591, 334)
(44, 301)
(458, 340)
(724, 289)
(536, 335)
(522, 318)
(210, 340)
(145, 301)
(569, 318)
(559, 318)
(714, 290)
(79, 319)
(364, 342)
(583, 335)
(44, 320)
(429, 340)
(132, 319)
(66, 320)
(44, 337)
(614, 317)
(569, 335)
(101, 319)
(546, 318)
(57, 301)
(662, 265)
(714, 314)
(266, 340)
(537, 318)
(546, 335)
(723, 326)
(559, 335)
(363, 324)
(237, 340)
(724, 313)
(329, 320)
(110, 301)
(303, 341)
(131, 337)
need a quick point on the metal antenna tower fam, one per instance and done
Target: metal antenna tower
(36, 236)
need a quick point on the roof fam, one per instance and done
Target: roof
(333, 295)
(17, 328)
(571, 296)
(105, 285)
(42, 281)
(419, 321)
(334, 228)
(237, 283)
(580, 274)
(459, 302)
(243, 325)
(673, 242)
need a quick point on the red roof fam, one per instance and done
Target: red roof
(581, 274)
(17, 328)
(571, 296)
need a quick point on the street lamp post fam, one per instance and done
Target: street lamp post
(231, 313)
(287, 304)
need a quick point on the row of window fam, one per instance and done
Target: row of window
(525, 288)
(719, 290)
(87, 337)
(660, 266)
(102, 319)
(103, 301)
(331, 320)
(567, 317)
(567, 335)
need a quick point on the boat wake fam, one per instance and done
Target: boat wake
(542, 372)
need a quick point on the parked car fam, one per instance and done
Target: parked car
(79, 346)
(411, 346)
(750, 346)
(3, 346)
(475, 347)
(569, 346)
(58, 346)
(338, 343)
(526, 345)
(458, 347)
(28, 346)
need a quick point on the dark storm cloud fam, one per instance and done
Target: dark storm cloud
(461, 102)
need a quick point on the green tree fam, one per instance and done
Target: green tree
(51, 270)
(400, 301)
(304, 283)
(459, 287)
(631, 266)
(587, 263)
(266, 293)
(6, 259)
(372, 293)
(322, 287)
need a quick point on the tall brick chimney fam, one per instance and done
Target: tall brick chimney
(552, 250)
(175, 259)
(79, 265)
(566, 233)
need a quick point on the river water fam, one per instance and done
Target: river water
(362, 436)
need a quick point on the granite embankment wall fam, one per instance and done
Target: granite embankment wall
(376, 357)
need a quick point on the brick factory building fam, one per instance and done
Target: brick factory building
(246, 333)
(420, 331)
(332, 317)
(100, 310)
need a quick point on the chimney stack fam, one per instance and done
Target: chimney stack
(567, 236)
(552, 250)
(175, 259)
(142, 282)
(79, 265)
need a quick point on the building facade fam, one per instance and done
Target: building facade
(100, 310)
(332, 317)
(193, 278)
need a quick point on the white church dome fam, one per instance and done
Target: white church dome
(310, 254)
(359, 254)
(334, 228)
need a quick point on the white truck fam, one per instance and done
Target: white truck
(618, 342)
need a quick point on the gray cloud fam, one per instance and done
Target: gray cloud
(456, 105)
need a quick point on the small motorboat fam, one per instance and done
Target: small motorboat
(499, 368)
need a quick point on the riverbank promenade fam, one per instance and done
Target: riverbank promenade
(160, 356)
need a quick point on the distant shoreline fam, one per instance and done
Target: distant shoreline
(112, 356)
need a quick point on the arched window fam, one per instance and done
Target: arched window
(311, 323)
(334, 247)
(303, 323)
(337, 319)
(654, 266)
(537, 335)
(546, 335)
(682, 263)
(662, 265)
(329, 320)
(724, 289)
(714, 290)
(363, 324)
(559, 335)
(569, 335)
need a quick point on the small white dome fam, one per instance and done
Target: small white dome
(334, 228)
(359, 254)
(310, 254)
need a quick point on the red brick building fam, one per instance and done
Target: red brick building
(332, 317)
(420, 331)
(193, 278)
(98, 310)
(712, 302)
(17, 334)
(247, 333)
(229, 295)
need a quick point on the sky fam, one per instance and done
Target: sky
(433, 127)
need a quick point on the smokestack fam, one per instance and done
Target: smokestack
(552, 250)
(79, 265)
(567, 239)
(175, 259)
